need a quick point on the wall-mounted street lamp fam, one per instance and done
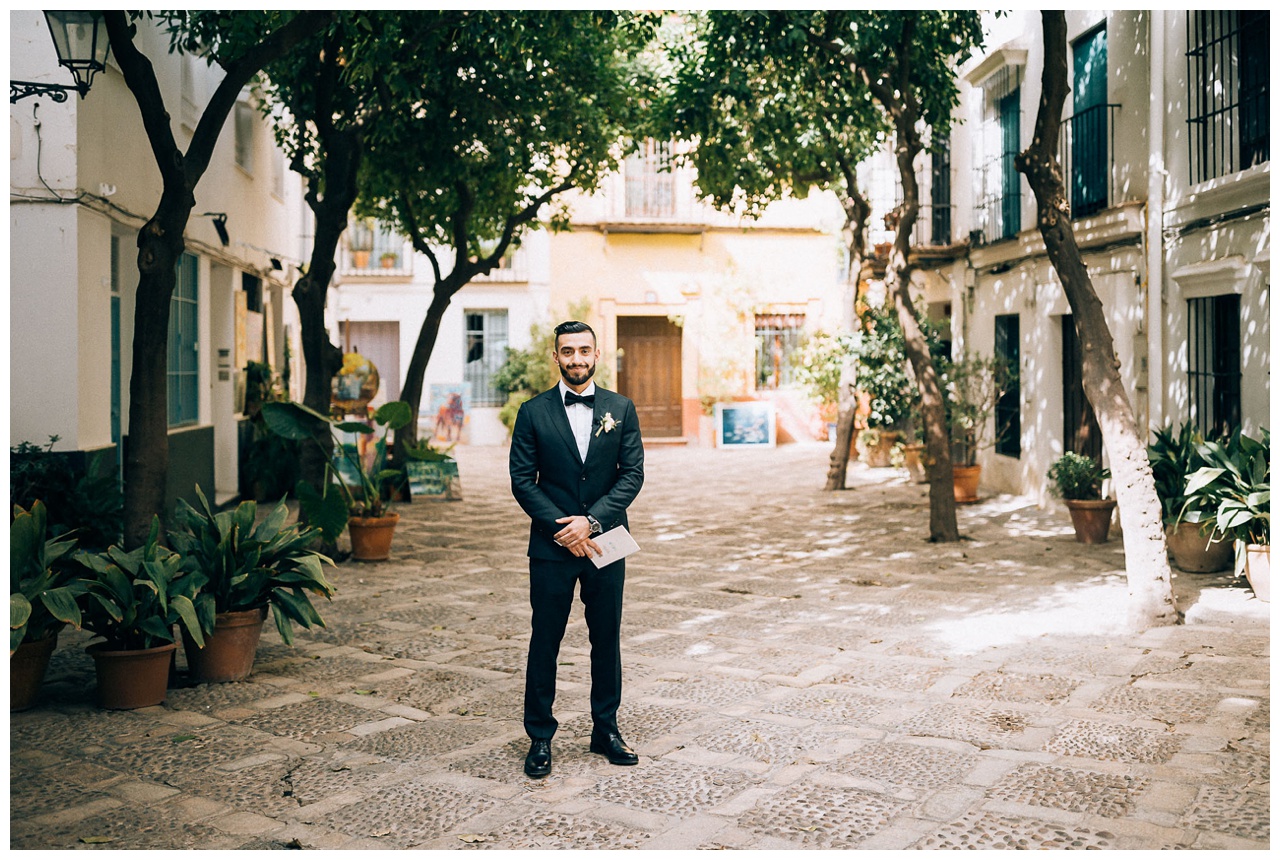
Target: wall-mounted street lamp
(80, 38)
(220, 225)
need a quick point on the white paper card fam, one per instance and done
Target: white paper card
(616, 543)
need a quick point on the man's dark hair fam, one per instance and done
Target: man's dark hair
(572, 327)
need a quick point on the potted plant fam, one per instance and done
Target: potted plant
(1232, 493)
(360, 497)
(389, 259)
(133, 600)
(247, 566)
(1077, 480)
(1174, 457)
(972, 387)
(42, 600)
(360, 242)
(882, 378)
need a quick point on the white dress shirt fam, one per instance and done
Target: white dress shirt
(580, 415)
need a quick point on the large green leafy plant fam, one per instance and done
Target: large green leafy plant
(330, 509)
(1232, 490)
(1174, 456)
(882, 369)
(134, 599)
(42, 586)
(87, 500)
(248, 565)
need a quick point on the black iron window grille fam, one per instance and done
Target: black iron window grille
(778, 338)
(486, 352)
(1087, 154)
(1213, 365)
(999, 196)
(183, 370)
(1009, 406)
(940, 196)
(1228, 84)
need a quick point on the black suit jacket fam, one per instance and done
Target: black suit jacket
(550, 480)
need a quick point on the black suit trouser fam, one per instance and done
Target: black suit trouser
(551, 587)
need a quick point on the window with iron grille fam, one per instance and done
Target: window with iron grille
(999, 191)
(1088, 131)
(1009, 406)
(940, 195)
(1213, 366)
(778, 338)
(650, 182)
(486, 352)
(184, 358)
(1228, 85)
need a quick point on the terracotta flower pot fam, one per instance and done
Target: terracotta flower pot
(131, 679)
(880, 455)
(228, 652)
(1257, 569)
(371, 536)
(1091, 518)
(964, 481)
(27, 666)
(1192, 552)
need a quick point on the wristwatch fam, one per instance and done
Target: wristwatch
(595, 525)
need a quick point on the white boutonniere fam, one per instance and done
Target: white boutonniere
(606, 424)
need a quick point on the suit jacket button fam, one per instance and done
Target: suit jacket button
(584, 477)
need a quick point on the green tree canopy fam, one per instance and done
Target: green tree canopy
(500, 112)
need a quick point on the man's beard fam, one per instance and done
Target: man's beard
(590, 372)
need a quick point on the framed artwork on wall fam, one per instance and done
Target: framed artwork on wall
(746, 425)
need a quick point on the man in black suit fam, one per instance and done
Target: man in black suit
(576, 464)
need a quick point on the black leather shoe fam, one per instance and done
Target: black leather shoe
(537, 763)
(614, 748)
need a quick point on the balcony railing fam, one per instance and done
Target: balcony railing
(1086, 150)
(932, 227)
(999, 209)
(374, 251)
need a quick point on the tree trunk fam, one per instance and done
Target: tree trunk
(146, 461)
(857, 212)
(422, 349)
(942, 499)
(161, 243)
(1146, 562)
(343, 151)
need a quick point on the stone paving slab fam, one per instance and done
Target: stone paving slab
(803, 671)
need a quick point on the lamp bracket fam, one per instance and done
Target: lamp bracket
(22, 89)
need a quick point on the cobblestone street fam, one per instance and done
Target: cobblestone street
(802, 670)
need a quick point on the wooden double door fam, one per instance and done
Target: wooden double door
(649, 372)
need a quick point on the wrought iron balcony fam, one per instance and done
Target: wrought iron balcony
(1086, 150)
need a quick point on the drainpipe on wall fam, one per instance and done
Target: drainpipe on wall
(1155, 316)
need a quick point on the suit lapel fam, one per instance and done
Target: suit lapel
(597, 413)
(561, 421)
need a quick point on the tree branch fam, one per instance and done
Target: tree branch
(140, 77)
(239, 72)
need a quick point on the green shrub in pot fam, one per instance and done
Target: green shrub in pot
(1077, 477)
(42, 585)
(248, 565)
(134, 599)
(1231, 492)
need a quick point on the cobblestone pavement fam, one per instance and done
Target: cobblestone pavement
(803, 670)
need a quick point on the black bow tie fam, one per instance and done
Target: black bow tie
(587, 400)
